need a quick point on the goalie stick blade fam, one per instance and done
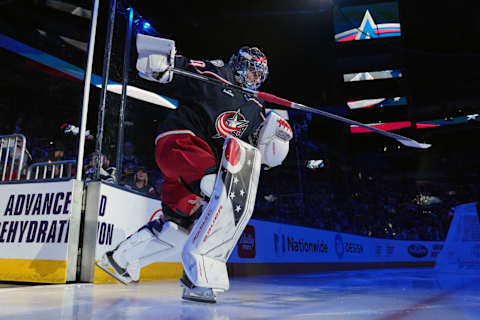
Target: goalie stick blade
(403, 140)
(414, 144)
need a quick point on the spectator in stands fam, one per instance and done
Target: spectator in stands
(140, 181)
(14, 156)
(107, 173)
(156, 189)
(39, 151)
(130, 162)
(56, 153)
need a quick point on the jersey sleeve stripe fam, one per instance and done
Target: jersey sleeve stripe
(212, 74)
(254, 100)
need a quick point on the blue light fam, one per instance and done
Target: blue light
(146, 25)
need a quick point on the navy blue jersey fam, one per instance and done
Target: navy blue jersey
(210, 111)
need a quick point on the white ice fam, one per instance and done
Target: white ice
(392, 294)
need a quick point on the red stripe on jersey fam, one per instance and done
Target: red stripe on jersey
(213, 74)
(197, 63)
(259, 104)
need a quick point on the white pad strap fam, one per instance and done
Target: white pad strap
(144, 247)
(207, 184)
(223, 220)
(155, 56)
(273, 140)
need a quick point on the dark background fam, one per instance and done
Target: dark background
(438, 54)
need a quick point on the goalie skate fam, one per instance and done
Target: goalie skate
(155, 241)
(199, 294)
(108, 264)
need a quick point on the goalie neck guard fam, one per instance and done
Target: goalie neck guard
(250, 67)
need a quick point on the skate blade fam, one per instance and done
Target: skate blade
(106, 268)
(191, 296)
(197, 299)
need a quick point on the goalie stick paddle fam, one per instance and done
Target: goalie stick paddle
(292, 105)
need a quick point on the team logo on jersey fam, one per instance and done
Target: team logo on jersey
(230, 123)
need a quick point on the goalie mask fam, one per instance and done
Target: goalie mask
(250, 67)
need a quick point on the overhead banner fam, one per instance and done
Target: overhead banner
(368, 21)
(34, 231)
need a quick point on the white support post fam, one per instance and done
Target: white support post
(86, 91)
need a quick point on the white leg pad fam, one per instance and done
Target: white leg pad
(145, 247)
(223, 220)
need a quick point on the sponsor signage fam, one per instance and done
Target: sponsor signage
(120, 214)
(436, 249)
(281, 243)
(417, 250)
(34, 229)
(246, 243)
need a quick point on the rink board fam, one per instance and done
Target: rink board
(112, 214)
(461, 252)
(274, 248)
(264, 248)
(39, 234)
(39, 244)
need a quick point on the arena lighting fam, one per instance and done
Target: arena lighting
(146, 25)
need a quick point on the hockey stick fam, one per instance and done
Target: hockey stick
(292, 105)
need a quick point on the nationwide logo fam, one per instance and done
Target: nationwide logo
(246, 244)
(285, 243)
(305, 246)
(369, 29)
(230, 123)
(417, 250)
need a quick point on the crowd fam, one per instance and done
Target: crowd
(372, 206)
(136, 175)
